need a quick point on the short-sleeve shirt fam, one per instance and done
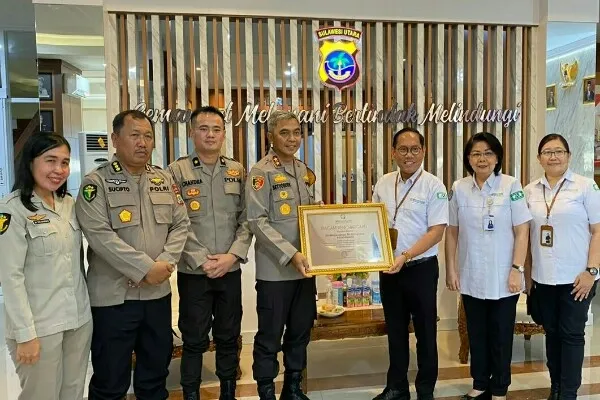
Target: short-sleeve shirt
(485, 257)
(425, 206)
(577, 206)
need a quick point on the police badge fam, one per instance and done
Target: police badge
(338, 67)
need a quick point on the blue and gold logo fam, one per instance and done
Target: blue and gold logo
(338, 67)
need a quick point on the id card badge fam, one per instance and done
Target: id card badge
(546, 236)
(488, 223)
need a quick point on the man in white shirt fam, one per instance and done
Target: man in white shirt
(417, 208)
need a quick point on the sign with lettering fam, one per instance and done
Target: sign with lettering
(437, 113)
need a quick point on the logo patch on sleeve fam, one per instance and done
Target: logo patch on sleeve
(517, 195)
(89, 192)
(4, 222)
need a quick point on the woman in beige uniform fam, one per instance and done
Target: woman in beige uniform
(48, 317)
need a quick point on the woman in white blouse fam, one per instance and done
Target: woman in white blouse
(565, 255)
(488, 225)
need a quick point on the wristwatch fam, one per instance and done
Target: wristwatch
(592, 270)
(519, 268)
(407, 255)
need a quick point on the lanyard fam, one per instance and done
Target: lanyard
(405, 195)
(548, 208)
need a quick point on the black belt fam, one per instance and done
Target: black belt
(419, 261)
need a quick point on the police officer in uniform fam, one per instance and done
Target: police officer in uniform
(417, 208)
(135, 222)
(285, 291)
(212, 188)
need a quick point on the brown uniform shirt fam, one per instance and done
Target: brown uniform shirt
(129, 226)
(214, 200)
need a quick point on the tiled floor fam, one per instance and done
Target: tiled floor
(354, 369)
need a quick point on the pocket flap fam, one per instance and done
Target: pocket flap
(41, 230)
(161, 198)
(120, 199)
(232, 188)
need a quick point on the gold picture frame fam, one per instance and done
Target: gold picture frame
(345, 238)
(551, 97)
(588, 89)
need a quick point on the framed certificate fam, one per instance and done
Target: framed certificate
(345, 238)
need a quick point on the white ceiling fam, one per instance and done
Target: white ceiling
(88, 21)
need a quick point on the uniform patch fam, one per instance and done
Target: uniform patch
(194, 205)
(39, 219)
(192, 182)
(258, 182)
(125, 216)
(179, 199)
(89, 192)
(223, 163)
(276, 161)
(517, 195)
(4, 222)
(596, 186)
(196, 161)
(175, 189)
(282, 185)
(233, 172)
(193, 192)
(441, 195)
(116, 181)
(157, 181)
(285, 209)
(279, 178)
(147, 168)
(283, 195)
(116, 166)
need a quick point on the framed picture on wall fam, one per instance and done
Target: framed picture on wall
(551, 97)
(46, 120)
(589, 89)
(45, 86)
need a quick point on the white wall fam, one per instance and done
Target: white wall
(514, 12)
(574, 10)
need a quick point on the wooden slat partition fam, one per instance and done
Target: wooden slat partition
(399, 63)
(192, 63)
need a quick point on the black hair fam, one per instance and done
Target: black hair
(552, 136)
(494, 144)
(406, 130)
(37, 144)
(119, 119)
(207, 110)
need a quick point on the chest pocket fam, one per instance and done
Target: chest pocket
(233, 199)
(162, 204)
(501, 207)
(123, 210)
(284, 204)
(45, 240)
(413, 203)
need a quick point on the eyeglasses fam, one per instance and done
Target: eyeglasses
(404, 150)
(557, 153)
(487, 154)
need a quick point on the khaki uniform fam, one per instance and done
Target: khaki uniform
(43, 282)
(273, 193)
(214, 198)
(284, 298)
(216, 208)
(131, 222)
(129, 226)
